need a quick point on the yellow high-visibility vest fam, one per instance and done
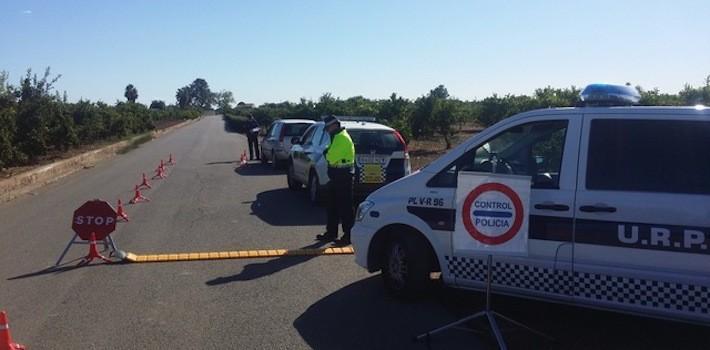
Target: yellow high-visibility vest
(341, 152)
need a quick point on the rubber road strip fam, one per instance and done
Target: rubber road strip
(237, 254)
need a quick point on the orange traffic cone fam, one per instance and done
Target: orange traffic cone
(120, 213)
(5, 337)
(171, 161)
(243, 160)
(145, 183)
(160, 171)
(93, 252)
(138, 197)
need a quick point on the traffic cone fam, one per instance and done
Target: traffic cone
(120, 213)
(160, 171)
(243, 160)
(5, 337)
(171, 161)
(138, 197)
(145, 182)
(93, 252)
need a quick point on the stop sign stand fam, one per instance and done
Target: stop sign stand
(94, 220)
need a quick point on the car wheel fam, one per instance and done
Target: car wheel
(263, 156)
(274, 161)
(407, 266)
(293, 185)
(314, 191)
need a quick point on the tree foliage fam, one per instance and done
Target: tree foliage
(157, 104)
(36, 122)
(224, 100)
(131, 93)
(195, 95)
(427, 116)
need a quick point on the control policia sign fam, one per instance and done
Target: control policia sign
(492, 213)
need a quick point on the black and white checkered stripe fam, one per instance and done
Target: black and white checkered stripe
(361, 172)
(629, 291)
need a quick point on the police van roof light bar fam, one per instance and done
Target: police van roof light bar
(609, 95)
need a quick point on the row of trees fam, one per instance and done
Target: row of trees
(437, 113)
(36, 121)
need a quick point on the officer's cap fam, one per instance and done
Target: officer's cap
(330, 120)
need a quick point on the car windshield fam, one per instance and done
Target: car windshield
(380, 141)
(295, 129)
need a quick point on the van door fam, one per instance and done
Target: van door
(643, 215)
(545, 149)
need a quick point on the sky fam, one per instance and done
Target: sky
(272, 51)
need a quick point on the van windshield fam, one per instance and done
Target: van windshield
(380, 141)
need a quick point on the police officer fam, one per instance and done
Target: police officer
(340, 156)
(253, 137)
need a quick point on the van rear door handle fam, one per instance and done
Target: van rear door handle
(552, 206)
(597, 209)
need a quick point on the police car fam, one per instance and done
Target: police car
(380, 157)
(619, 209)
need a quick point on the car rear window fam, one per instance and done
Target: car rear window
(380, 141)
(293, 129)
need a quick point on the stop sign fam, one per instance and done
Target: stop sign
(94, 216)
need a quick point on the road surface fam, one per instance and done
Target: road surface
(208, 204)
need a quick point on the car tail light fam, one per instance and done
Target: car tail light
(407, 164)
(401, 139)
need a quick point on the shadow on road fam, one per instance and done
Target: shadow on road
(258, 270)
(223, 162)
(362, 316)
(283, 207)
(257, 169)
(68, 266)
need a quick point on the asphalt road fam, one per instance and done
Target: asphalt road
(207, 204)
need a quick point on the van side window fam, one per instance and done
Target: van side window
(671, 156)
(533, 149)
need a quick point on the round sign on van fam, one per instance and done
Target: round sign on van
(492, 213)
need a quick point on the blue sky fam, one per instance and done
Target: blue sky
(284, 50)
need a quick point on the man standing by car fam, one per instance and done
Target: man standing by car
(253, 137)
(340, 156)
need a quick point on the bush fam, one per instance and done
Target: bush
(35, 122)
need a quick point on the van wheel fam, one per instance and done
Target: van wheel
(314, 190)
(293, 185)
(407, 266)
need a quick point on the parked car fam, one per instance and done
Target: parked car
(276, 144)
(619, 218)
(380, 157)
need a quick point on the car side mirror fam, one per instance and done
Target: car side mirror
(295, 140)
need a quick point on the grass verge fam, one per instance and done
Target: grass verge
(135, 142)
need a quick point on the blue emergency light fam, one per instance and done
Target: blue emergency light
(609, 95)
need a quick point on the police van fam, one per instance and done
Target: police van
(619, 210)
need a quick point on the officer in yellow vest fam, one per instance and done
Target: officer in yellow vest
(340, 156)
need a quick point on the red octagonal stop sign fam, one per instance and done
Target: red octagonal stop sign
(94, 216)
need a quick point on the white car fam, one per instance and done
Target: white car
(381, 157)
(276, 144)
(620, 211)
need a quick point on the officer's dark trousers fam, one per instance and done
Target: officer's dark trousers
(253, 140)
(340, 200)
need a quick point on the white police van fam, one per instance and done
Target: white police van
(619, 210)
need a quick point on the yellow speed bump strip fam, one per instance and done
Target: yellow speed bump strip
(237, 254)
